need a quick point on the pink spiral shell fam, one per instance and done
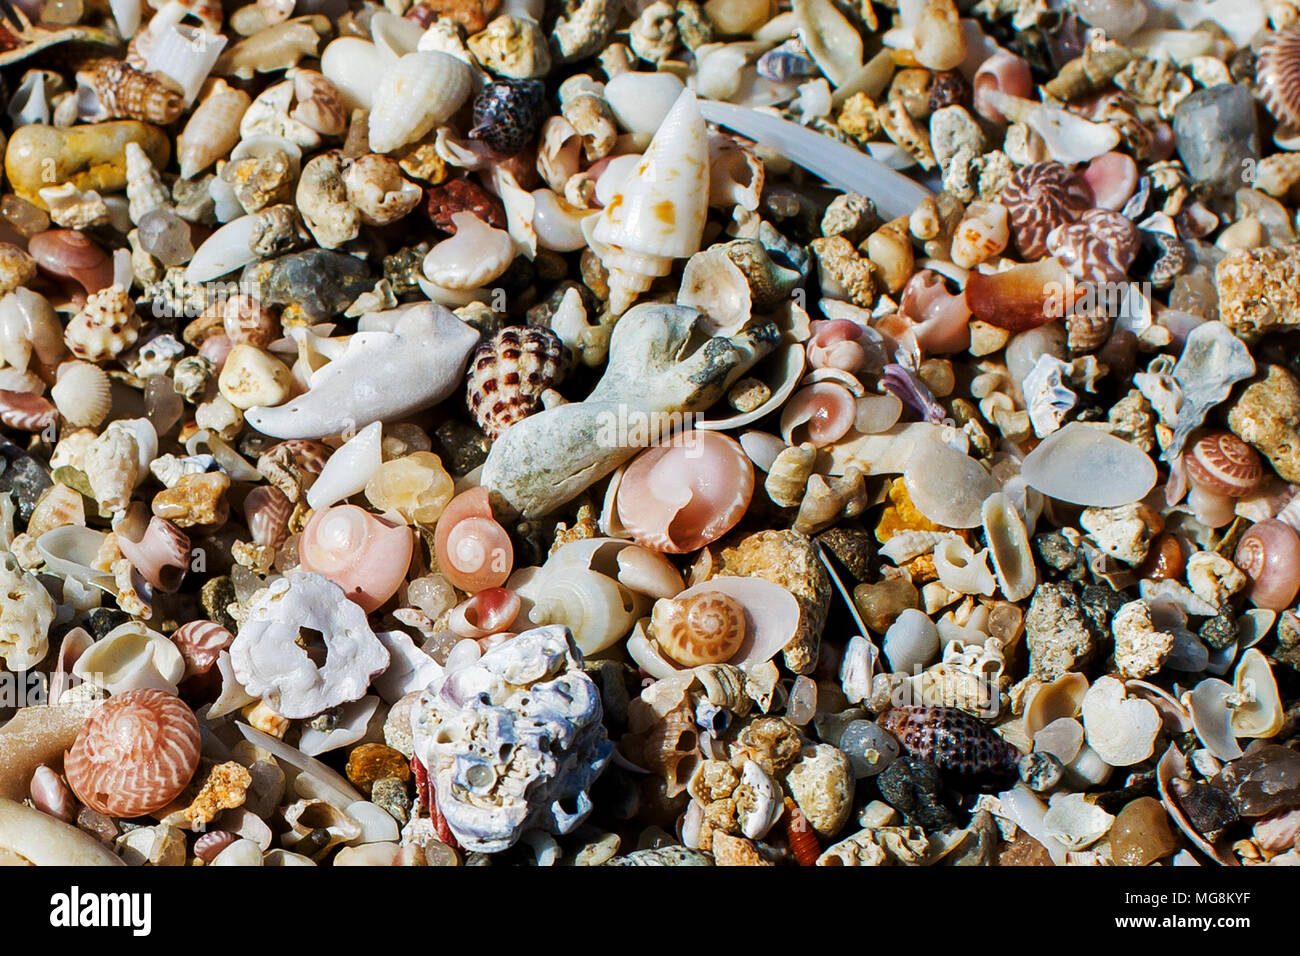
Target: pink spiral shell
(267, 511)
(26, 411)
(51, 795)
(1278, 73)
(1222, 463)
(488, 612)
(161, 555)
(1039, 198)
(72, 255)
(821, 413)
(135, 754)
(200, 644)
(473, 550)
(940, 319)
(362, 553)
(213, 842)
(1004, 72)
(1269, 554)
(834, 344)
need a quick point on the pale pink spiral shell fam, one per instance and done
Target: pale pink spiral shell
(488, 612)
(200, 644)
(51, 795)
(1269, 554)
(72, 255)
(1221, 463)
(161, 555)
(135, 753)
(473, 550)
(362, 553)
(1004, 72)
(940, 319)
(821, 413)
(267, 511)
(834, 344)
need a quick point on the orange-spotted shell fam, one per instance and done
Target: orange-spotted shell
(135, 754)
(705, 628)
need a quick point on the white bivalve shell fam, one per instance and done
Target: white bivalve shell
(1122, 730)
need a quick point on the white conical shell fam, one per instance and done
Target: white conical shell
(658, 213)
(224, 251)
(355, 66)
(414, 95)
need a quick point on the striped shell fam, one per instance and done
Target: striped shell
(1098, 247)
(950, 738)
(82, 394)
(113, 89)
(267, 511)
(25, 411)
(1277, 71)
(200, 644)
(1222, 463)
(705, 628)
(308, 455)
(509, 373)
(1039, 198)
(213, 842)
(135, 753)
(799, 834)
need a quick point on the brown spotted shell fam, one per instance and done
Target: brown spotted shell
(950, 738)
(509, 373)
(135, 753)
(705, 628)
(1039, 198)
(1222, 463)
(113, 89)
(1277, 71)
(1098, 247)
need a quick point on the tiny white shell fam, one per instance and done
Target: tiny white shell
(414, 95)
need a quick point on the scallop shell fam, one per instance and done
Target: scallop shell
(82, 393)
(413, 96)
(135, 754)
(509, 373)
(1278, 73)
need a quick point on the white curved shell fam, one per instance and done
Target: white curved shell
(82, 393)
(1121, 730)
(130, 657)
(414, 95)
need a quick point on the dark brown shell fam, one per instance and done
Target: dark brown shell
(951, 739)
(509, 373)
(1039, 198)
(1098, 247)
(1277, 72)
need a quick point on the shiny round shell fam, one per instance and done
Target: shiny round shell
(705, 628)
(1039, 198)
(510, 371)
(1222, 463)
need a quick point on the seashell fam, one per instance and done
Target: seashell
(363, 554)
(212, 130)
(833, 43)
(72, 255)
(473, 257)
(227, 249)
(473, 551)
(507, 114)
(488, 612)
(1112, 177)
(378, 190)
(821, 414)
(1269, 554)
(1039, 198)
(509, 373)
(1099, 246)
(1008, 545)
(1122, 730)
(827, 501)
(144, 189)
(1076, 822)
(113, 89)
(960, 569)
(182, 55)
(51, 795)
(268, 661)
(658, 213)
(349, 469)
(950, 738)
(939, 320)
(414, 94)
(28, 836)
(788, 475)
(161, 555)
(1221, 463)
(26, 411)
(135, 754)
(1277, 75)
(982, 233)
(671, 749)
(348, 725)
(597, 608)
(131, 657)
(200, 644)
(1212, 717)
(911, 642)
(683, 494)
(309, 817)
(947, 486)
(1004, 72)
(707, 627)
(714, 284)
(28, 324)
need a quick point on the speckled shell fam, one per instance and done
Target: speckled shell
(507, 114)
(1039, 198)
(951, 738)
(705, 628)
(1278, 73)
(1222, 463)
(113, 89)
(135, 754)
(509, 373)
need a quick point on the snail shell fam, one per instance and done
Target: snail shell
(161, 554)
(1221, 463)
(473, 551)
(135, 754)
(267, 511)
(363, 554)
(821, 413)
(490, 611)
(705, 628)
(1269, 553)
(200, 644)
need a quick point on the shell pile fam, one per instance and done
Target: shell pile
(753, 432)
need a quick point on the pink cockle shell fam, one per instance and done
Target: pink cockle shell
(362, 553)
(161, 555)
(821, 413)
(1269, 553)
(1004, 72)
(473, 550)
(834, 344)
(940, 319)
(1112, 177)
(135, 753)
(681, 495)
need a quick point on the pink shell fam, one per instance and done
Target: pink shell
(1039, 198)
(681, 495)
(834, 344)
(135, 753)
(26, 411)
(1269, 554)
(1221, 463)
(1004, 72)
(161, 555)
(71, 255)
(490, 611)
(213, 842)
(200, 644)
(267, 511)
(1112, 177)
(362, 553)
(51, 795)
(1278, 77)
(473, 550)
(216, 349)
(821, 413)
(941, 319)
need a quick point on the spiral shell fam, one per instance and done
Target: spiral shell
(200, 644)
(821, 413)
(363, 554)
(1221, 463)
(507, 114)
(25, 411)
(671, 748)
(1039, 198)
(51, 795)
(705, 628)
(135, 754)
(113, 89)
(1098, 247)
(800, 835)
(210, 844)
(1277, 72)
(248, 322)
(82, 394)
(490, 611)
(1269, 553)
(105, 327)
(212, 130)
(415, 94)
(950, 738)
(510, 371)
(473, 551)
(161, 555)
(72, 255)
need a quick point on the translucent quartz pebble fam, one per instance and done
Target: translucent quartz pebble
(802, 704)
(166, 237)
(1086, 466)
(947, 486)
(869, 748)
(1118, 18)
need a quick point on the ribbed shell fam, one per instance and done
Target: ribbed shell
(799, 834)
(414, 95)
(509, 373)
(1278, 74)
(950, 738)
(135, 754)
(1039, 198)
(705, 628)
(200, 644)
(82, 394)
(1223, 463)
(25, 411)
(113, 89)
(267, 512)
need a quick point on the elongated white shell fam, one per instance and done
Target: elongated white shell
(224, 251)
(348, 469)
(355, 66)
(417, 93)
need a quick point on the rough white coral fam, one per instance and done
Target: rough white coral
(26, 612)
(1139, 648)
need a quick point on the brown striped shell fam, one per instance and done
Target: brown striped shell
(113, 89)
(799, 834)
(1039, 198)
(200, 644)
(705, 628)
(1098, 247)
(267, 511)
(135, 753)
(1277, 71)
(950, 738)
(1222, 463)
(509, 373)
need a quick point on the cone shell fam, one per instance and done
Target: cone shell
(82, 393)
(212, 130)
(113, 89)
(414, 95)
(135, 754)
(509, 373)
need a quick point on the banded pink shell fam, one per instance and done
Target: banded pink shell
(200, 644)
(1098, 247)
(1221, 463)
(267, 511)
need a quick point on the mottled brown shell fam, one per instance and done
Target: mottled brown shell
(1277, 71)
(951, 739)
(705, 628)
(123, 92)
(1098, 247)
(509, 373)
(1039, 198)
(1222, 463)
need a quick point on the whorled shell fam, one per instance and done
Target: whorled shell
(939, 320)
(28, 325)
(1277, 72)
(161, 555)
(135, 753)
(706, 628)
(508, 113)
(113, 89)
(509, 373)
(683, 494)
(473, 550)
(212, 130)
(1269, 554)
(105, 327)
(72, 255)
(821, 414)
(671, 748)
(26, 411)
(1099, 246)
(415, 94)
(488, 612)
(1221, 463)
(1040, 197)
(1004, 72)
(200, 644)
(51, 795)
(837, 343)
(267, 511)
(82, 394)
(362, 553)
(951, 738)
